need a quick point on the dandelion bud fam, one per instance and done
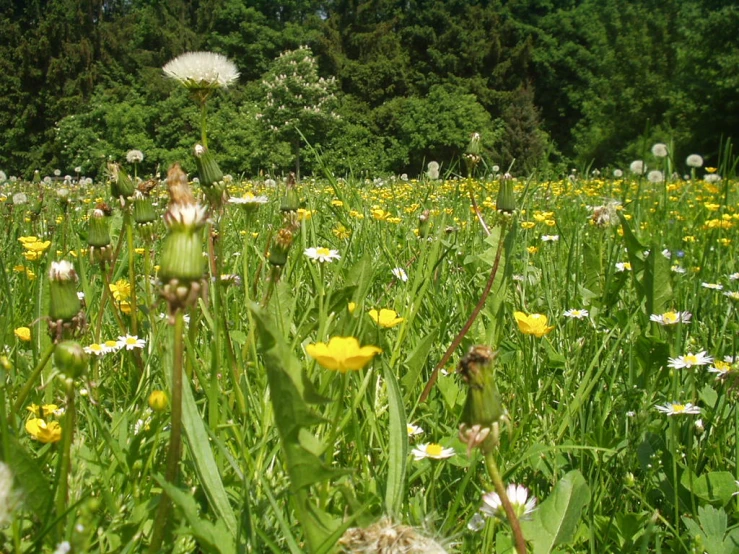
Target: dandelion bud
(208, 169)
(290, 202)
(98, 233)
(121, 184)
(64, 303)
(36, 177)
(483, 407)
(280, 247)
(143, 211)
(182, 251)
(506, 203)
(158, 401)
(70, 358)
(424, 224)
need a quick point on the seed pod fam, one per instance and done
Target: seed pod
(483, 407)
(143, 211)
(64, 303)
(208, 169)
(70, 358)
(120, 183)
(98, 234)
(506, 202)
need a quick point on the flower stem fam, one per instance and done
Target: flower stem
(23, 394)
(131, 271)
(64, 461)
(492, 468)
(175, 435)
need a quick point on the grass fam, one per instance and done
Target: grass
(282, 455)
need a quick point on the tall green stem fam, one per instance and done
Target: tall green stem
(203, 124)
(64, 462)
(131, 271)
(492, 468)
(175, 435)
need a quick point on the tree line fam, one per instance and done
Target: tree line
(549, 83)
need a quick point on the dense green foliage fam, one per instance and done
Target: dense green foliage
(588, 81)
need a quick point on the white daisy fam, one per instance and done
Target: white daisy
(322, 254)
(675, 408)
(96, 349)
(519, 498)
(399, 273)
(623, 266)
(679, 270)
(734, 276)
(712, 286)
(734, 295)
(131, 342)
(690, 360)
(576, 314)
(414, 430)
(550, 238)
(671, 318)
(432, 450)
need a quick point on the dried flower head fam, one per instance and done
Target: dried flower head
(202, 70)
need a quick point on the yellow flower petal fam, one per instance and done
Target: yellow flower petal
(342, 354)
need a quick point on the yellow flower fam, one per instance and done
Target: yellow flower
(386, 318)
(379, 214)
(351, 307)
(46, 410)
(711, 169)
(37, 245)
(342, 354)
(532, 249)
(534, 324)
(23, 333)
(44, 431)
(27, 240)
(158, 400)
(527, 225)
(341, 232)
(121, 290)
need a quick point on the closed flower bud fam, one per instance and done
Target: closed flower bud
(290, 202)
(143, 211)
(70, 358)
(424, 224)
(506, 203)
(98, 233)
(280, 247)
(208, 169)
(64, 303)
(182, 257)
(158, 401)
(483, 407)
(120, 183)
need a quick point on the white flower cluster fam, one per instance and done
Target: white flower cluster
(202, 70)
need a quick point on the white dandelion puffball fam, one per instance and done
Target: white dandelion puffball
(659, 150)
(656, 176)
(202, 70)
(694, 160)
(134, 156)
(637, 167)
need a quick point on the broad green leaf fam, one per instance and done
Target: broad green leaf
(205, 463)
(556, 520)
(211, 537)
(397, 446)
(712, 531)
(29, 478)
(715, 486)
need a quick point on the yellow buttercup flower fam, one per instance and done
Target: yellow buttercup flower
(44, 431)
(342, 354)
(44, 411)
(351, 307)
(158, 400)
(386, 318)
(23, 333)
(534, 324)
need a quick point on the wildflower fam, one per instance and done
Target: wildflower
(674, 408)
(623, 266)
(655, 176)
(134, 156)
(534, 324)
(637, 167)
(734, 276)
(519, 498)
(527, 225)
(720, 368)
(677, 269)
(734, 295)
(112, 346)
(532, 249)
(386, 318)
(342, 354)
(35, 249)
(576, 314)
(690, 360)
(131, 342)
(671, 318)
(322, 254)
(399, 273)
(414, 430)
(158, 401)
(617, 173)
(550, 238)
(694, 160)
(121, 290)
(249, 201)
(379, 214)
(433, 170)
(23, 333)
(47, 410)
(202, 70)
(341, 232)
(351, 307)
(432, 450)
(659, 150)
(44, 431)
(712, 286)
(96, 349)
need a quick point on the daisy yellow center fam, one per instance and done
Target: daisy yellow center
(691, 359)
(722, 366)
(669, 317)
(111, 343)
(323, 251)
(96, 347)
(677, 408)
(434, 450)
(131, 340)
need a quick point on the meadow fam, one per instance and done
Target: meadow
(247, 375)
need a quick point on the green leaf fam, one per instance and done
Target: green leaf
(657, 277)
(715, 486)
(205, 463)
(712, 531)
(415, 362)
(592, 263)
(555, 521)
(29, 478)
(397, 446)
(213, 538)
